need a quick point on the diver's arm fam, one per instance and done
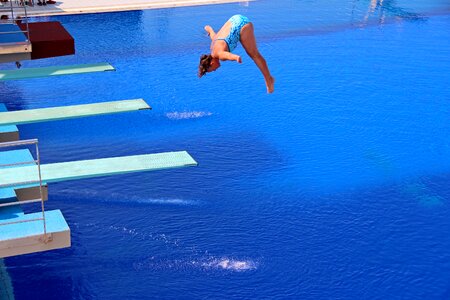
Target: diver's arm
(210, 31)
(225, 55)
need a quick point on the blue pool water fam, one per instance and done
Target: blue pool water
(334, 187)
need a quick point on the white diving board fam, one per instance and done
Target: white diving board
(55, 172)
(73, 111)
(54, 71)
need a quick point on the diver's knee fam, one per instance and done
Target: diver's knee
(254, 54)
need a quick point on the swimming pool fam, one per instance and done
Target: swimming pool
(334, 187)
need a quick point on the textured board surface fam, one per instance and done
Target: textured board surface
(72, 111)
(53, 71)
(97, 167)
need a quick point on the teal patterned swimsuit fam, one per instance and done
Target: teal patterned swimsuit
(237, 22)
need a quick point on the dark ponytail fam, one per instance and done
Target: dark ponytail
(205, 62)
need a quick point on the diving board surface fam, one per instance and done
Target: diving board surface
(97, 167)
(73, 111)
(53, 71)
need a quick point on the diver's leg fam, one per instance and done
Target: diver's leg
(248, 40)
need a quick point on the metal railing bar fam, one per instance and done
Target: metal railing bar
(14, 6)
(25, 43)
(38, 158)
(20, 202)
(26, 22)
(9, 21)
(12, 10)
(21, 221)
(11, 32)
(19, 163)
(18, 183)
(18, 143)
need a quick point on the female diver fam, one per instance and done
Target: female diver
(237, 28)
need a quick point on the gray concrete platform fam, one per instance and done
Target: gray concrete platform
(67, 7)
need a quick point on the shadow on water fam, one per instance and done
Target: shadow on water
(390, 9)
(6, 290)
(11, 96)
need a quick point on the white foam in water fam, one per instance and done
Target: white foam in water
(139, 200)
(209, 264)
(188, 115)
(231, 264)
(165, 201)
(120, 198)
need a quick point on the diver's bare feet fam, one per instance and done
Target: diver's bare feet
(270, 84)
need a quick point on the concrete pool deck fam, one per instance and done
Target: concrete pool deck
(67, 7)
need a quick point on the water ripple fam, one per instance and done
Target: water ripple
(118, 198)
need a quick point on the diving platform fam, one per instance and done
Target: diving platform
(22, 40)
(26, 235)
(22, 233)
(23, 179)
(13, 40)
(67, 7)
(54, 71)
(8, 132)
(21, 117)
(48, 39)
(55, 172)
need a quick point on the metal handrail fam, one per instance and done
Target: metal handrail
(18, 143)
(23, 221)
(11, 32)
(19, 163)
(19, 202)
(19, 183)
(37, 161)
(10, 9)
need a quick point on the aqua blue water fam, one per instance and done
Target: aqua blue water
(334, 187)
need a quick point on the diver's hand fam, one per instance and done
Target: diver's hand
(209, 31)
(239, 59)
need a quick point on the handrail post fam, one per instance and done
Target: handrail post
(12, 10)
(26, 23)
(38, 158)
